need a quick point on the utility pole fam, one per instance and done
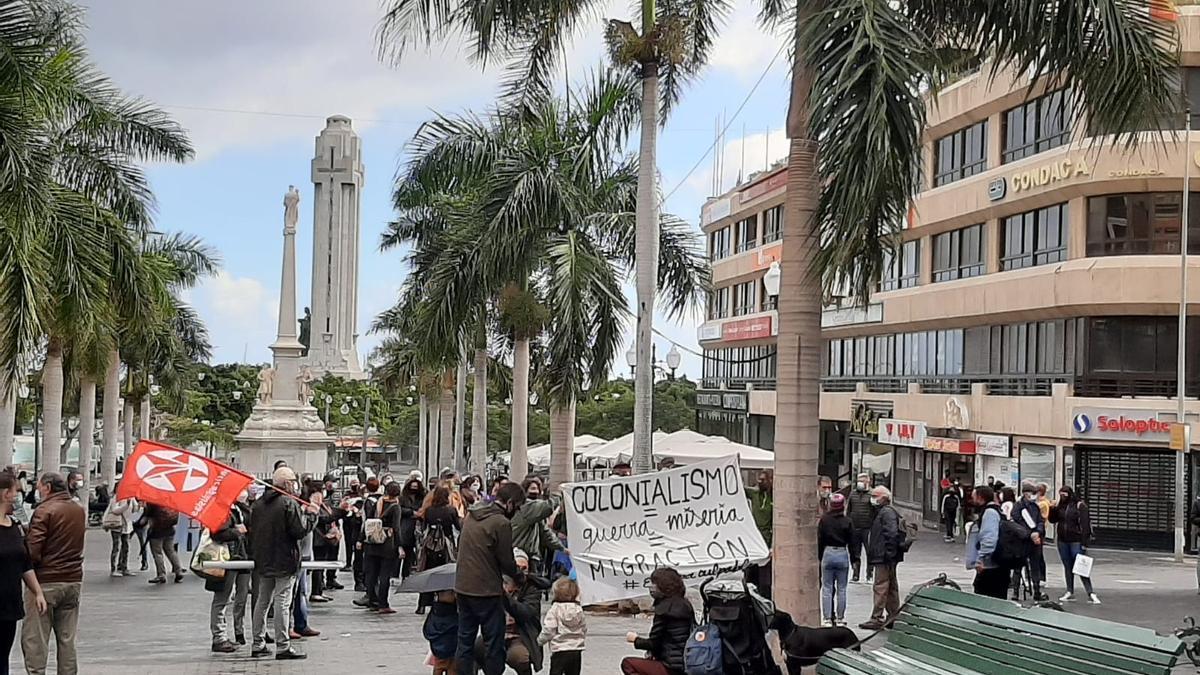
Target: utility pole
(366, 426)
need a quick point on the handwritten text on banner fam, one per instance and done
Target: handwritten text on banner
(694, 519)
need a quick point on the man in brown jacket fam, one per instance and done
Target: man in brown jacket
(55, 543)
(485, 557)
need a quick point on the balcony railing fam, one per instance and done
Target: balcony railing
(1120, 386)
(738, 383)
(744, 246)
(997, 385)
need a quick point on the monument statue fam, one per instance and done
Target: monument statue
(266, 384)
(306, 330)
(304, 380)
(291, 209)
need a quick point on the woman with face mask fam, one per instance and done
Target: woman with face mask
(1074, 535)
(235, 584)
(674, 619)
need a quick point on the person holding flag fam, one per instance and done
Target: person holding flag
(277, 524)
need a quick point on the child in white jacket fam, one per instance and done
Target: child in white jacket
(565, 629)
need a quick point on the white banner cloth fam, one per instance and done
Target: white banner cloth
(695, 519)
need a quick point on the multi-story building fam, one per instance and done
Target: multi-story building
(1026, 329)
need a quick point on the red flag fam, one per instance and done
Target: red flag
(193, 485)
(1163, 10)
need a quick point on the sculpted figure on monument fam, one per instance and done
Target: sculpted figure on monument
(291, 209)
(266, 384)
(305, 330)
(304, 381)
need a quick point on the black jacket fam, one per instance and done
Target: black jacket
(1194, 512)
(409, 505)
(239, 548)
(859, 509)
(326, 520)
(390, 548)
(884, 547)
(833, 531)
(525, 607)
(1074, 524)
(674, 619)
(1035, 515)
(277, 525)
(160, 521)
(485, 552)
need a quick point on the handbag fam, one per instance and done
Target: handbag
(209, 550)
(1083, 565)
(111, 522)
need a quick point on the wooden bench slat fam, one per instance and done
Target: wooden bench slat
(1009, 648)
(979, 657)
(1048, 640)
(847, 662)
(1132, 635)
(912, 663)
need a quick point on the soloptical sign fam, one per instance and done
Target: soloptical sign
(1117, 424)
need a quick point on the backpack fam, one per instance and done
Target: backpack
(703, 654)
(1013, 545)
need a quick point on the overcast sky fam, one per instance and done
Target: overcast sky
(215, 64)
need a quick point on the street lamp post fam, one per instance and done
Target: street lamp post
(1181, 454)
(631, 359)
(673, 359)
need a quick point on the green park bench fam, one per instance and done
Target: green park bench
(943, 631)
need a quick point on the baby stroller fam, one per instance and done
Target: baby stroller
(743, 617)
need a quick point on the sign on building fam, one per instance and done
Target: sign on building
(1117, 424)
(992, 445)
(902, 432)
(694, 519)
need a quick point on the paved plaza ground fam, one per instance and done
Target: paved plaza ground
(129, 626)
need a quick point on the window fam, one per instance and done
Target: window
(902, 269)
(1141, 223)
(1035, 238)
(747, 234)
(960, 154)
(1036, 126)
(718, 303)
(772, 224)
(743, 298)
(958, 254)
(718, 244)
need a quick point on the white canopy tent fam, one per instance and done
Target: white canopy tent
(685, 447)
(539, 455)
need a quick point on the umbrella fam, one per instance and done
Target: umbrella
(437, 579)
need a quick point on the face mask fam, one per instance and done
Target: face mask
(1063, 496)
(825, 492)
(874, 501)
(862, 485)
(655, 593)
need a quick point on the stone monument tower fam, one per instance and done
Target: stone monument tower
(284, 425)
(337, 175)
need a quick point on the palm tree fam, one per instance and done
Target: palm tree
(673, 43)
(855, 121)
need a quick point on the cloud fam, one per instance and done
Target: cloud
(744, 48)
(741, 156)
(242, 316)
(294, 59)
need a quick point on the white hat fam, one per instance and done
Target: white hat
(520, 555)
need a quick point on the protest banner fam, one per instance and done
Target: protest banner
(197, 487)
(694, 519)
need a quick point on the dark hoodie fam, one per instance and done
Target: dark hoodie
(485, 552)
(1074, 523)
(277, 524)
(674, 619)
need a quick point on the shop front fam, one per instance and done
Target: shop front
(867, 454)
(1125, 471)
(907, 440)
(946, 457)
(994, 461)
(724, 413)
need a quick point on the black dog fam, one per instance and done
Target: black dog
(805, 646)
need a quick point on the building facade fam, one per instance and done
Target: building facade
(1026, 328)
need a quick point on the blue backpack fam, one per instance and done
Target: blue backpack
(703, 654)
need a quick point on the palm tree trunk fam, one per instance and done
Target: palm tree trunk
(460, 413)
(52, 401)
(519, 459)
(87, 425)
(434, 436)
(108, 441)
(127, 428)
(562, 444)
(798, 384)
(479, 418)
(144, 420)
(423, 435)
(646, 262)
(446, 410)
(8, 422)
